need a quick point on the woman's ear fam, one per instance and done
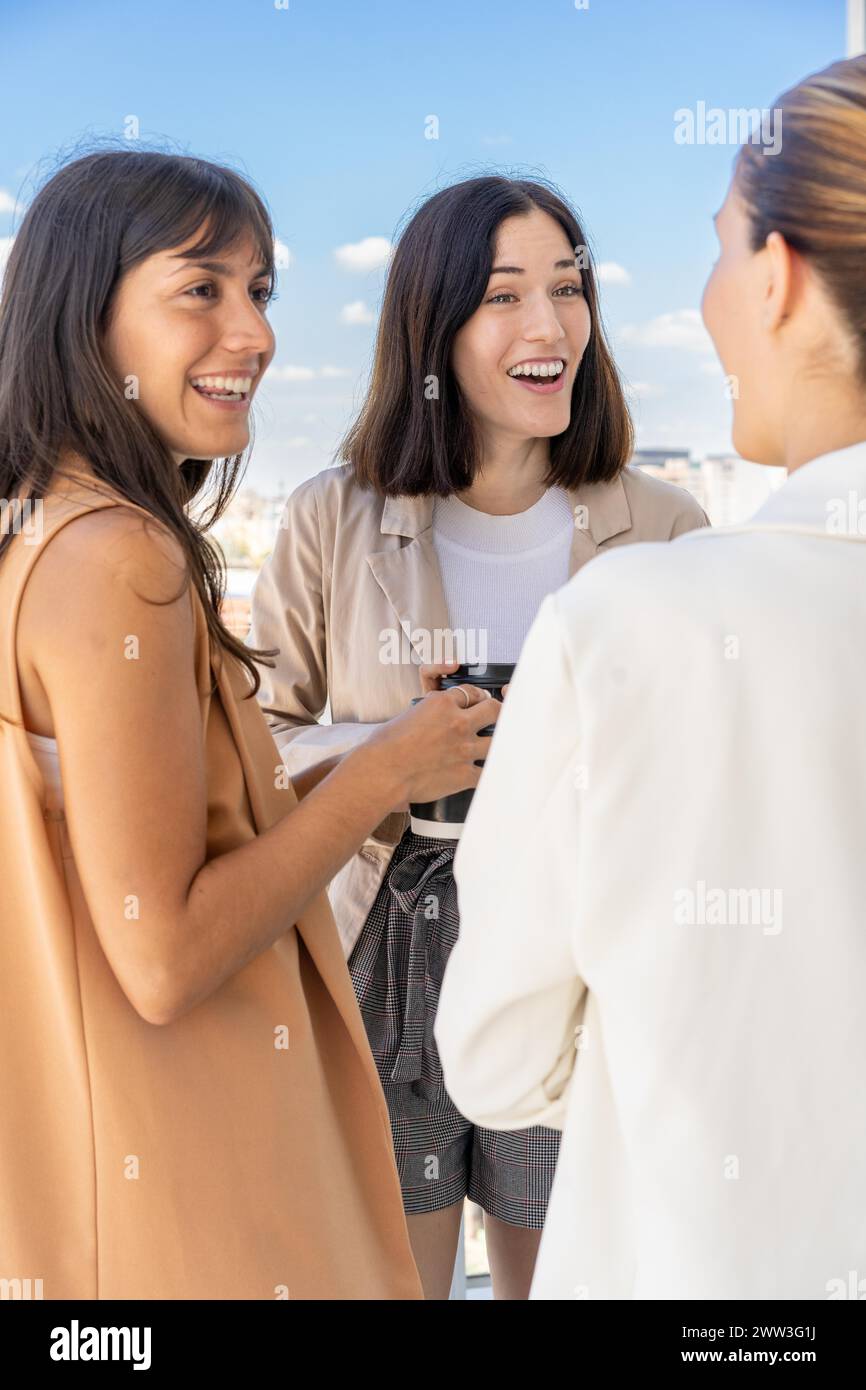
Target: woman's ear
(783, 274)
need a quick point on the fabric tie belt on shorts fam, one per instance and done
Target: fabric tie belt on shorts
(415, 878)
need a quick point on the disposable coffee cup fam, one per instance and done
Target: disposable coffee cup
(443, 819)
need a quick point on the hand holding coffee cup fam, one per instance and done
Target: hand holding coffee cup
(431, 750)
(443, 816)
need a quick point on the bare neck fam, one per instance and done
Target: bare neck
(820, 422)
(509, 479)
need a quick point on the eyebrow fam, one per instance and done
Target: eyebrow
(214, 267)
(518, 269)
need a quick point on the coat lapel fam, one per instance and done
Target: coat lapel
(410, 578)
(600, 511)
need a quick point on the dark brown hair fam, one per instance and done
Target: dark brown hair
(95, 219)
(437, 278)
(813, 191)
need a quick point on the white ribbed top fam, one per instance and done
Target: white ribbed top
(497, 569)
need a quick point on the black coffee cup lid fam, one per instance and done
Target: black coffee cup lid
(489, 673)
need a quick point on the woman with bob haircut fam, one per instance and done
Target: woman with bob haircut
(190, 1108)
(488, 464)
(713, 966)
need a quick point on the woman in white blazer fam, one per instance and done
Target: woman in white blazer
(662, 878)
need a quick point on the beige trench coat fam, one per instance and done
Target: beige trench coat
(350, 571)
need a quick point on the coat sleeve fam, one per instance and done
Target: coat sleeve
(512, 1000)
(288, 612)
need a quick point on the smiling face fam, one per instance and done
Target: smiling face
(533, 316)
(195, 336)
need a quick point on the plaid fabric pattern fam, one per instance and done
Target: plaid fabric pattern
(397, 967)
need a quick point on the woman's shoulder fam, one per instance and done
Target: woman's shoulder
(656, 503)
(334, 499)
(334, 487)
(100, 561)
(119, 539)
(122, 586)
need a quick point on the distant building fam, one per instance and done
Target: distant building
(246, 532)
(674, 466)
(729, 489)
(661, 458)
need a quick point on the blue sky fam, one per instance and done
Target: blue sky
(324, 103)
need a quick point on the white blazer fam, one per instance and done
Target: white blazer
(662, 889)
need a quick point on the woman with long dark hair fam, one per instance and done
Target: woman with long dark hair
(189, 1104)
(488, 464)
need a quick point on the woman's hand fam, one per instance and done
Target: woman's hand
(430, 751)
(432, 673)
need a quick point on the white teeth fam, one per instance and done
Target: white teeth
(539, 369)
(238, 384)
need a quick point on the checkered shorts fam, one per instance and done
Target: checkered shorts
(397, 967)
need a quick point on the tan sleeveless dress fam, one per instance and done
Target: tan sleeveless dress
(198, 1159)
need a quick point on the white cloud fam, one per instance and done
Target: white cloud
(5, 248)
(369, 254)
(288, 372)
(683, 328)
(8, 203)
(609, 273)
(282, 255)
(356, 312)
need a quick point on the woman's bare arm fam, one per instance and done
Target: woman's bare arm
(119, 676)
(303, 782)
